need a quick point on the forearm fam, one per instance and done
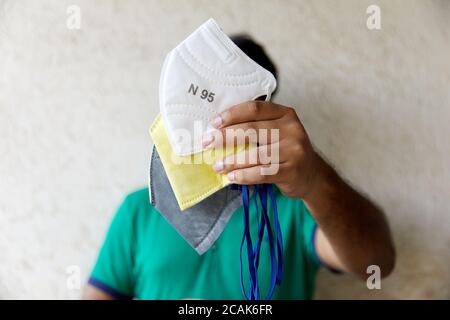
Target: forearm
(92, 293)
(356, 229)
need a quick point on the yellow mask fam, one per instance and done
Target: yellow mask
(192, 178)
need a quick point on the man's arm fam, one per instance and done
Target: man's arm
(112, 276)
(353, 232)
(92, 293)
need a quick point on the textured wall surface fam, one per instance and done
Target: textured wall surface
(75, 106)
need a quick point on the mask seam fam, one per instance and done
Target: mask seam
(212, 110)
(161, 82)
(213, 32)
(231, 45)
(152, 194)
(155, 123)
(149, 183)
(212, 227)
(213, 235)
(178, 51)
(191, 114)
(197, 60)
(203, 194)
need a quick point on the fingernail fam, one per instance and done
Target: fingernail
(207, 139)
(218, 166)
(231, 176)
(217, 122)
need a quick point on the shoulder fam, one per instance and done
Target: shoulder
(135, 206)
(137, 199)
(134, 215)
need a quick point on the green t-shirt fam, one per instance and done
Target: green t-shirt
(143, 257)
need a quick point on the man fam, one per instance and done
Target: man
(324, 221)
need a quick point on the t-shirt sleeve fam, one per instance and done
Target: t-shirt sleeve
(309, 228)
(113, 270)
(309, 233)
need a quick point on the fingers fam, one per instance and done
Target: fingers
(262, 132)
(255, 175)
(256, 166)
(248, 112)
(249, 122)
(254, 156)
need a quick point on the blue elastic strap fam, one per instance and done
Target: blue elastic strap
(248, 239)
(263, 192)
(279, 235)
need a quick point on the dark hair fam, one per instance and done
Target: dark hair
(254, 51)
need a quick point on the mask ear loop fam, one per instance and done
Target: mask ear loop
(278, 233)
(253, 289)
(263, 192)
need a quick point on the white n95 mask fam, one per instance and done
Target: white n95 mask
(202, 76)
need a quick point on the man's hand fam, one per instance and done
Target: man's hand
(298, 162)
(353, 233)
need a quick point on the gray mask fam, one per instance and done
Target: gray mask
(199, 225)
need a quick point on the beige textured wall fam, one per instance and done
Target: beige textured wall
(75, 107)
